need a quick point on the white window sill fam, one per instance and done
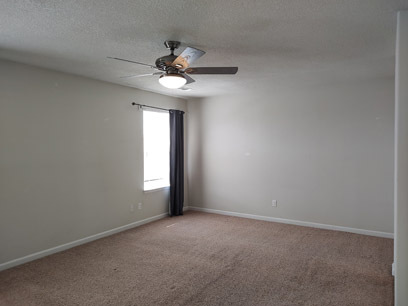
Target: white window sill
(152, 187)
(155, 189)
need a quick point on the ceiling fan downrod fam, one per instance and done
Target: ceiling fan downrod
(172, 45)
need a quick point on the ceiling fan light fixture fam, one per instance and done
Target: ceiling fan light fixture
(172, 80)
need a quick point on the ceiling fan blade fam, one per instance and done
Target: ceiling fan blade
(129, 61)
(189, 79)
(139, 75)
(187, 57)
(212, 70)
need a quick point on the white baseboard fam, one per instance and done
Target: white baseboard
(296, 222)
(37, 255)
(62, 247)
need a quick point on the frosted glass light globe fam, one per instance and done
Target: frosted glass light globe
(172, 80)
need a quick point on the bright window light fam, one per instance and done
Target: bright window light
(156, 144)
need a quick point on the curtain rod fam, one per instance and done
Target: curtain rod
(164, 109)
(142, 105)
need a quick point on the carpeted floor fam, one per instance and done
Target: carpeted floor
(207, 259)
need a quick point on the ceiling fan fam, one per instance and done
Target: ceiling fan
(174, 70)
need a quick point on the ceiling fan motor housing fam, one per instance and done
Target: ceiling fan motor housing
(164, 62)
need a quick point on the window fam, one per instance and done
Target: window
(156, 144)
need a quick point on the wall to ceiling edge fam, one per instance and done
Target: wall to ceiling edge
(325, 153)
(71, 158)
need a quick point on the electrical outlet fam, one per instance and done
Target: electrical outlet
(132, 207)
(140, 206)
(274, 203)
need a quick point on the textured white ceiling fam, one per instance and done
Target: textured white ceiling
(273, 43)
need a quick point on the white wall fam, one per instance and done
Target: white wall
(71, 158)
(324, 152)
(401, 162)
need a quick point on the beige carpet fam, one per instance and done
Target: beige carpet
(207, 259)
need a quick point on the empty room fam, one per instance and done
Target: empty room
(204, 153)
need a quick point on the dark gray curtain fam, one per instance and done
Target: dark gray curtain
(176, 163)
